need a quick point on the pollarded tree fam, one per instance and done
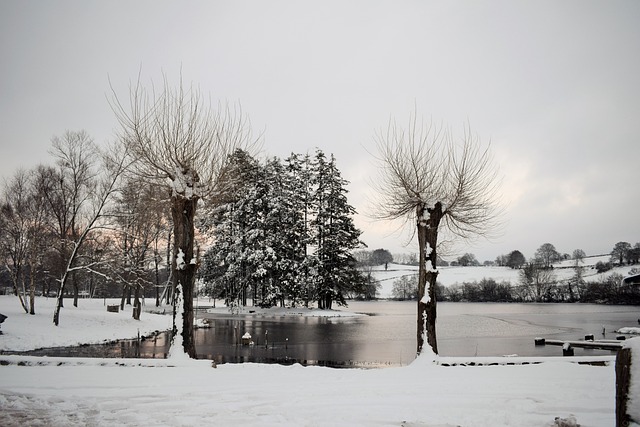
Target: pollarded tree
(441, 184)
(181, 143)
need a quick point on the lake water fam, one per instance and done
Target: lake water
(386, 336)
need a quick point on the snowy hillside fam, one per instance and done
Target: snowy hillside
(457, 275)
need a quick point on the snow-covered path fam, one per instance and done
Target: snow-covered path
(422, 394)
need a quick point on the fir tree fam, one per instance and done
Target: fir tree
(335, 232)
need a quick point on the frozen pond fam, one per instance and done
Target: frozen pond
(386, 335)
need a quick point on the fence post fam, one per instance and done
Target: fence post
(627, 374)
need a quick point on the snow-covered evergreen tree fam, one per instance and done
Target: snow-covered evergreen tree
(335, 234)
(274, 238)
(299, 171)
(282, 232)
(225, 264)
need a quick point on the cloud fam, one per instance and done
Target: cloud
(553, 85)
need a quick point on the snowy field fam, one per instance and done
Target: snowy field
(45, 391)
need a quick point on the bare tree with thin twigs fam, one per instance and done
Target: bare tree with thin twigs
(440, 183)
(181, 143)
(87, 210)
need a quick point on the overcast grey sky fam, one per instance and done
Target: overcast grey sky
(554, 85)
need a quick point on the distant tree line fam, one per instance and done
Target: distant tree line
(609, 290)
(537, 280)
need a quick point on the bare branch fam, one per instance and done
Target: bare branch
(424, 176)
(175, 135)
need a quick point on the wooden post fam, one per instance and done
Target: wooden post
(567, 350)
(623, 376)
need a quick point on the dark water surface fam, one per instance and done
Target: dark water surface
(386, 336)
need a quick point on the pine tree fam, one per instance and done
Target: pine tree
(226, 265)
(284, 236)
(335, 234)
(282, 231)
(300, 173)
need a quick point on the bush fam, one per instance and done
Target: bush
(602, 267)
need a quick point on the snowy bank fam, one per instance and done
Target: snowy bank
(284, 312)
(89, 323)
(629, 330)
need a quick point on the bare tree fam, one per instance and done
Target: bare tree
(24, 236)
(181, 143)
(14, 232)
(547, 255)
(139, 227)
(538, 281)
(439, 183)
(578, 256)
(68, 189)
(78, 195)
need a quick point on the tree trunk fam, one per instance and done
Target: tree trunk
(428, 221)
(59, 298)
(16, 280)
(137, 306)
(74, 278)
(32, 291)
(157, 284)
(124, 296)
(183, 212)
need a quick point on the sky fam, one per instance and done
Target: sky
(552, 86)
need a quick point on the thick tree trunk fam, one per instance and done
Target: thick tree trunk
(183, 212)
(428, 220)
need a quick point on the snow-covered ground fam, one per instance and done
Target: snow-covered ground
(99, 392)
(89, 323)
